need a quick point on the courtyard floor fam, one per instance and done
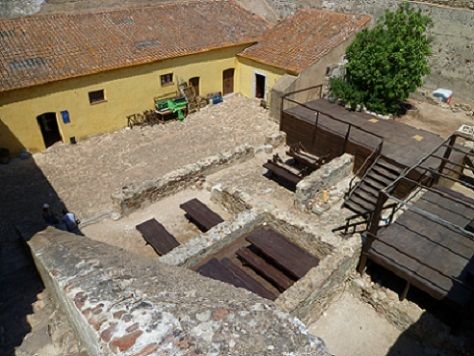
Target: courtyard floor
(84, 175)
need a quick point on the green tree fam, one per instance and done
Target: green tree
(387, 62)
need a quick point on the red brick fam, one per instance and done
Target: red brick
(106, 335)
(80, 299)
(123, 343)
(219, 313)
(118, 314)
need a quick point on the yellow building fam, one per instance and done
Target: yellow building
(301, 48)
(64, 77)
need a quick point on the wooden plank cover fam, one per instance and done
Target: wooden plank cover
(200, 214)
(227, 272)
(288, 256)
(268, 271)
(157, 236)
(250, 283)
(282, 172)
(216, 270)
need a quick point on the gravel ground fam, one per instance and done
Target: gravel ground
(84, 175)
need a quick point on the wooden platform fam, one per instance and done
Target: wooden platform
(430, 244)
(299, 122)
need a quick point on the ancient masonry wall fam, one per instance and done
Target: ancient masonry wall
(137, 195)
(121, 303)
(452, 61)
(318, 182)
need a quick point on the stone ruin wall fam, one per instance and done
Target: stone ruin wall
(452, 62)
(121, 303)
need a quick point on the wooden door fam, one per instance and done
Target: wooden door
(228, 81)
(194, 83)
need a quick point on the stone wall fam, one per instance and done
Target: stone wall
(120, 303)
(452, 62)
(322, 179)
(135, 196)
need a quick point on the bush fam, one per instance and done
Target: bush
(386, 63)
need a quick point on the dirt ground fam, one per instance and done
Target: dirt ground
(122, 233)
(350, 327)
(84, 175)
(436, 119)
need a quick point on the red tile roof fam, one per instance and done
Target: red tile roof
(302, 39)
(45, 48)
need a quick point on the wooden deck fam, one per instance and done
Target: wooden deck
(430, 245)
(299, 123)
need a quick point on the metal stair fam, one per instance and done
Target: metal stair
(362, 198)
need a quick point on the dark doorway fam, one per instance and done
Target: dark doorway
(194, 83)
(228, 81)
(259, 86)
(49, 128)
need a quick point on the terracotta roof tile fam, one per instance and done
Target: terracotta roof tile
(302, 39)
(44, 48)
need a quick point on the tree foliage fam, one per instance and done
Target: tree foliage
(387, 62)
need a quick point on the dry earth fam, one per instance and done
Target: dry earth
(350, 327)
(436, 119)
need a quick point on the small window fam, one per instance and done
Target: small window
(96, 96)
(166, 79)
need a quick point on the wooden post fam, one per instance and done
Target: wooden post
(315, 130)
(446, 155)
(346, 139)
(405, 291)
(369, 239)
(372, 231)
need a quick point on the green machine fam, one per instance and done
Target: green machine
(176, 106)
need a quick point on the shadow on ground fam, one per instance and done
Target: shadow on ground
(457, 325)
(24, 189)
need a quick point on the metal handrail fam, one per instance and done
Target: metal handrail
(333, 118)
(373, 154)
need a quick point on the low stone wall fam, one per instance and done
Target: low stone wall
(212, 241)
(311, 296)
(325, 177)
(121, 303)
(137, 195)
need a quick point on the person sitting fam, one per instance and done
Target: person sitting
(48, 216)
(70, 221)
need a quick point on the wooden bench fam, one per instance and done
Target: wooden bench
(198, 213)
(226, 271)
(306, 159)
(157, 236)
(285, 254)
(291, 179)
(267, 270)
